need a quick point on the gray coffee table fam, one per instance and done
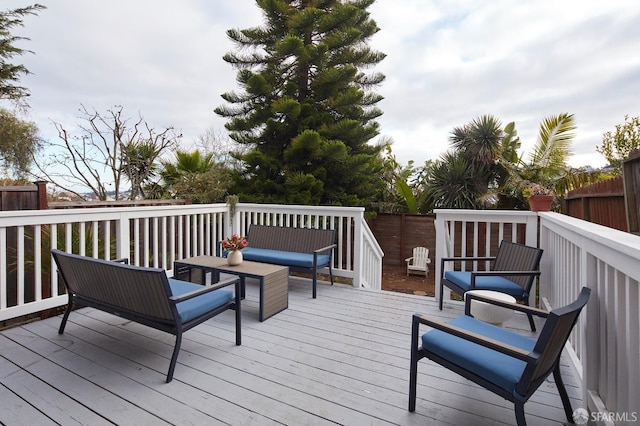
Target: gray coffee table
(273, 279)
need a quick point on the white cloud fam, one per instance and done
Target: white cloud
(448, 62)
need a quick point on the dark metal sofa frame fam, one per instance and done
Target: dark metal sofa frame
(311, 241)
(136, 293)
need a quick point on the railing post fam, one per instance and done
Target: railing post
(531, 239)
(531, 234)
(441, 251)
(123, 236)
(357, 250)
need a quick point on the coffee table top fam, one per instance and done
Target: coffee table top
(220, 263)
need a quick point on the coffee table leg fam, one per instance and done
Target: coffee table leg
(274, 293)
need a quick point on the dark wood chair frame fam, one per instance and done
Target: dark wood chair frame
(503, 265)
(146, 288)
(541, 361)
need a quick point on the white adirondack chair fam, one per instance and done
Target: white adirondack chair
(419, 262)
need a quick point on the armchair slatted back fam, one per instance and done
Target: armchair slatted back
(420, 256)
(551, 341)
(518, 257)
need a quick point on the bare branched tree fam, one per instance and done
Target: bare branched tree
(225, 150)
(107, 152)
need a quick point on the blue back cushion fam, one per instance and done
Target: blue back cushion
(496, 283)
(286, 258)
(500, 369)
(193, 308)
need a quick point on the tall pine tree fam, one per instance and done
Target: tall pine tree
(307, 107)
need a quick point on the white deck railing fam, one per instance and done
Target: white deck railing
(156, 236)
(358, 256)
(605, 345)
(478, 233)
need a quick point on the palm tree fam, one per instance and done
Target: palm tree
(485, 170)
(186, 163)
(462, 178)
(452, 183)
(196, 176)
(139, 164)
(480, 142)
(547, 165)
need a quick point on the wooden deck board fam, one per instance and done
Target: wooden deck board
(342, 358)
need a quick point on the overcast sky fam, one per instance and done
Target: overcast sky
(448, 61)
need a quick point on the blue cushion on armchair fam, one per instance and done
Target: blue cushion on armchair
(500, 369)
(496, 283)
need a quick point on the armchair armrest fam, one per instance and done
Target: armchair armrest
(475, 274)
(479, 339)
(501, 273)
(124, 260)
(515, 306)
(450, 259)
(207, 289)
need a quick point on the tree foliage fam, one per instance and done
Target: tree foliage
(485, 170)
(453, 183)
(195, 176)
(306, 109)
(547, 163)
(19, 140)
(617, 145)
(107, 152)
(461, 178)
(404, 186)
(10, 73)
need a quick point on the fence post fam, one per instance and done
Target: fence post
(43, 204)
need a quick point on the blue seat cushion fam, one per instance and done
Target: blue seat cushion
(199, 305)
(496, 283)
(499, 369)
(286, 258)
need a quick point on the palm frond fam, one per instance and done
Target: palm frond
(554, 143)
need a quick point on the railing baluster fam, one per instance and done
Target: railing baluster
(37, 261)
(3, 268)
(20, 261)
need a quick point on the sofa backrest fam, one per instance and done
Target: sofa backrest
(299, 240)
(144, 291)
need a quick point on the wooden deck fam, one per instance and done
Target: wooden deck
(342, 358)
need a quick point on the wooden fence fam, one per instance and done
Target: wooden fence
(602, 203)
(27, 197)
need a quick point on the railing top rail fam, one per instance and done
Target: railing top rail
(485, 215)
(296, 208)
(619, 241)
(37, 217)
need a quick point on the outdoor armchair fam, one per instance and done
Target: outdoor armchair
(419, 261)
(504, 362)
(513, 271)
